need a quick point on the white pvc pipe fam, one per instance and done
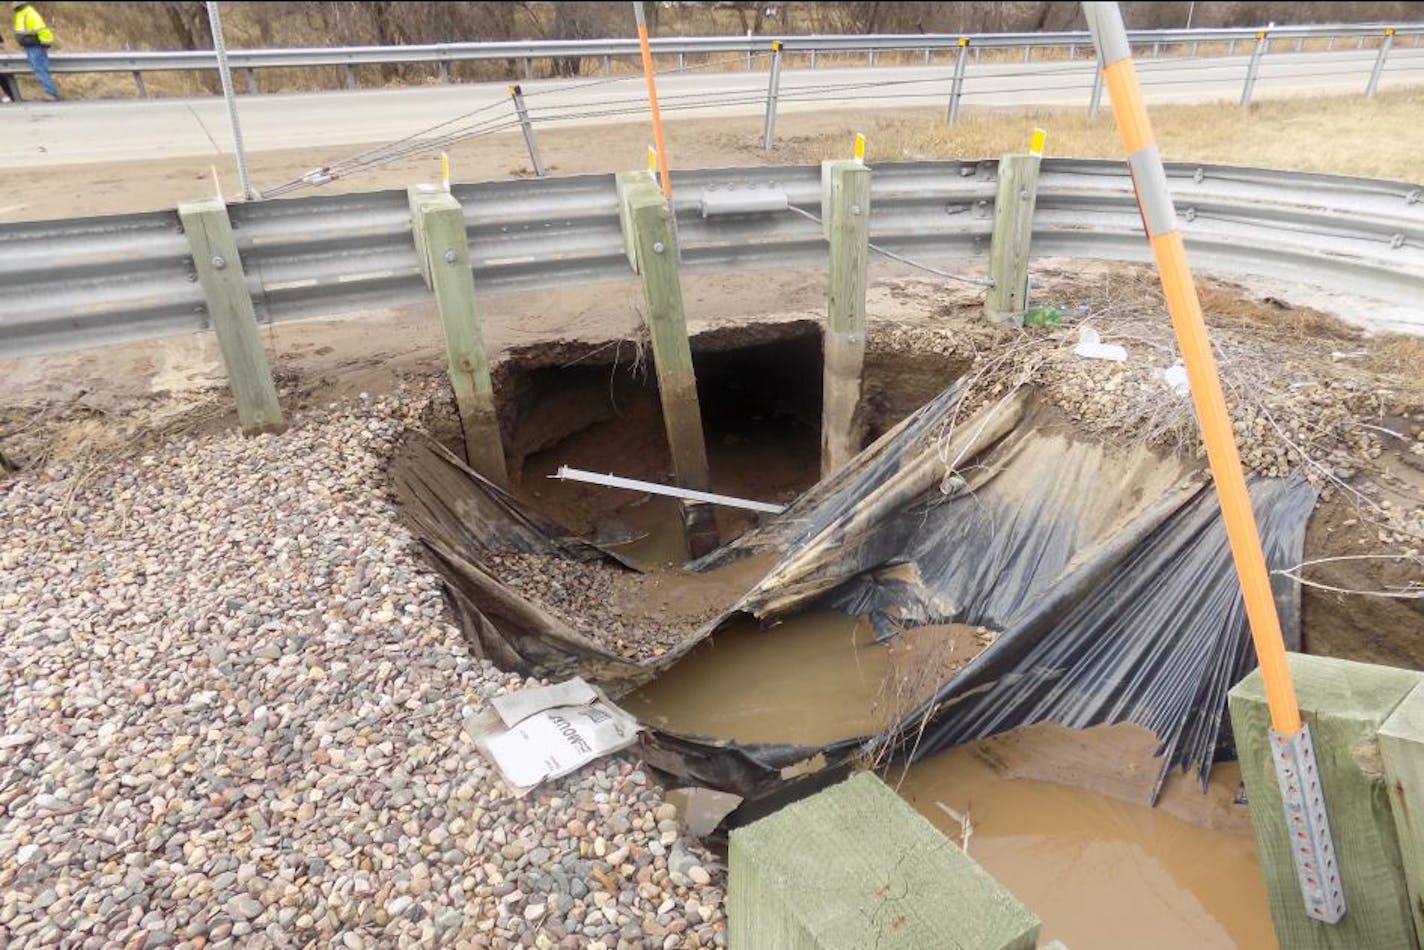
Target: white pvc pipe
(672, 491)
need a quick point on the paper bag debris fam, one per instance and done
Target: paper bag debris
(549, 731)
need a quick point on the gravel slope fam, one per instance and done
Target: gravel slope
(232, 714)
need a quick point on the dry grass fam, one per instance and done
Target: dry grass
(1228, 307)
(1379, 138)
(1400, 356)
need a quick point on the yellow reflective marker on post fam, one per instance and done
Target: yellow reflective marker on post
(1037, 142)
(859, 154)
(652, 160)
(445, 170)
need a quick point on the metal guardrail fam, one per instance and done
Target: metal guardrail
(85, 282)
(527, 51)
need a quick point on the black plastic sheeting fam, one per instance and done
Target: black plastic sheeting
(1106, 569)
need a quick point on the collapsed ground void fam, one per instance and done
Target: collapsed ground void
(595, 407)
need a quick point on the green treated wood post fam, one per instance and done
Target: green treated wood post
(1013, 233)
(667, 326)
(1401, 741)
(230, 311)
(848, 227)
(415, 196)
(438, 223)
(626, 183)
(656, 251)
(1344, 704)
(853, 867)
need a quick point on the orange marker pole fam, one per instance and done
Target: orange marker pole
(1159, 219)
(1291, 744)
(658, 141)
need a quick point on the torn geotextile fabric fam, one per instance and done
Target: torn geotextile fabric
(1105, 568)
(460, 519)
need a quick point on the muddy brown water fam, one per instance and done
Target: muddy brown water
(1099, 870)
(813, 679)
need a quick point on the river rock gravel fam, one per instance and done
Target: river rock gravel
(232, 713)
(618, 608)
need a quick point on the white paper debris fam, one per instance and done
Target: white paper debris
(1175, 376)
(1091, 346)
(551, 741)
(521, 704)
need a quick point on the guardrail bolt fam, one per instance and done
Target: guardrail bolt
(1397, 241)
(218, 262)
(659, 247)
(450, 255)
(855, 209)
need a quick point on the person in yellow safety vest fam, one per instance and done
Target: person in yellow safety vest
(36, 38)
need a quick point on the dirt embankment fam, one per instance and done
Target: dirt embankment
(1309, 393)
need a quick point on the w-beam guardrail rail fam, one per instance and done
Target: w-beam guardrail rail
(528, 51)
(89, 281)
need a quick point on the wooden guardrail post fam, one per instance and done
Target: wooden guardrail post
(846, 213)
(438, 226)
(230, 311)
(655, 244)
(1345, 705)
(854, 866)
(1013, 234)
(1401, 740)
(626, 183)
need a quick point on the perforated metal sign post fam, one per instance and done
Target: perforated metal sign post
(1311, 844)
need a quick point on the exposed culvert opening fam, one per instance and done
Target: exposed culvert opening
(595, 406)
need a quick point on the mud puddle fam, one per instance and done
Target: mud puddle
(1056, 812)
(1099, 871)
(814, 679)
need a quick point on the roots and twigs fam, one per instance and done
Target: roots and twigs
(1412, 590)
(1307, 393)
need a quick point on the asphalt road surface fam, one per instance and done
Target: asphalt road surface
(38, 134)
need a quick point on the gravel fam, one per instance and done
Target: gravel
(619, 609)
(1306, 394)
(232, 708)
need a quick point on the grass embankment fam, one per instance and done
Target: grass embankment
(1348, 135)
